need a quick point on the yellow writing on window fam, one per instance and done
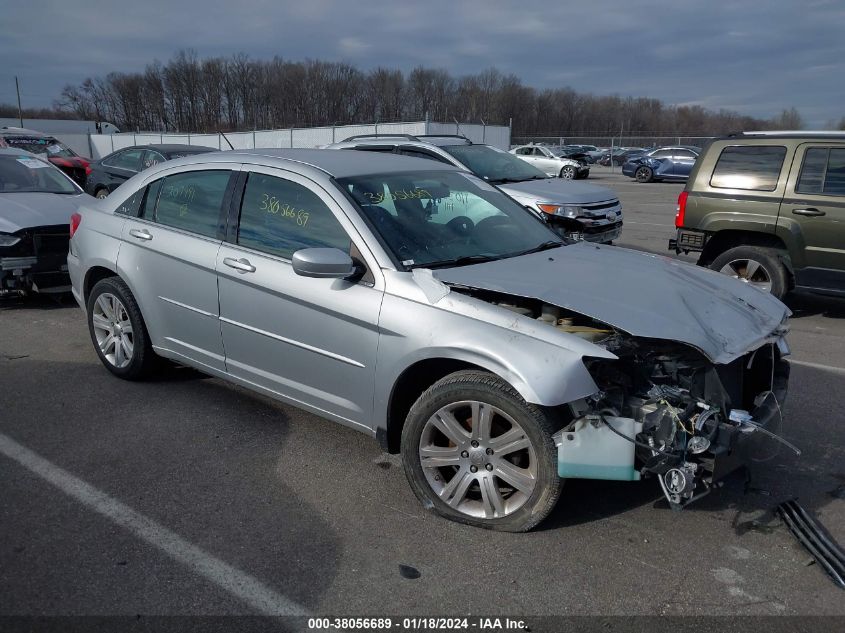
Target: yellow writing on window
(399, 194)
(273, 206)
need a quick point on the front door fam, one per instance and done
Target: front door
(174, 243)
(814, 209)
(311, 341)
(121, 166)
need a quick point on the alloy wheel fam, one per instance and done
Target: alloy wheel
(478, 459)
(113, 330)
(750, 271)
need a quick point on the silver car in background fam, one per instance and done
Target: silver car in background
(419, 304)
(576, 210)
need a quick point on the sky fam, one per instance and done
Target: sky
(757, 57)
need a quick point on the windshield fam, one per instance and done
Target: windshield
(494, 165)
(23, 173)
(36, 145)
(442, 218)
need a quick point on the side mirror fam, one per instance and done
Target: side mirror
(324, 263)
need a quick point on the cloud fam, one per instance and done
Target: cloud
(720, 54)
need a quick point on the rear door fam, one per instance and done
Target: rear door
(121, 166)
(682, 162)
(814, 209)
(168, 257)
(311, 341)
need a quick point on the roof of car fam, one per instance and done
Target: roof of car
(337, 163)
(21, 131)
(439, 140)
(172, 147)
(826, 134)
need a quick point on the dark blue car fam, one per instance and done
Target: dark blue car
(663, 163)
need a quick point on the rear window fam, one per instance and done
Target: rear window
(823, 172)
(749, 167)
(39, 145)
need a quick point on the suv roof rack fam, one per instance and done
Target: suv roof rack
(408, 137)
(832, 133)
(461, 136)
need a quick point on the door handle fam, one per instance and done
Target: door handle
(241, 265)
(141, 234)
(811, 212)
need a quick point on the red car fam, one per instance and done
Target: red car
(75, 166)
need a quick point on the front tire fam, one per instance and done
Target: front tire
(644, 174)
(475, 452)
(759, 266)
(569, 172)
(118, 331)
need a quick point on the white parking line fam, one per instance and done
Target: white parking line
(806, 363)
(239, 584)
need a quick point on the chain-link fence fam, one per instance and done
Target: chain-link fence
(613, 141)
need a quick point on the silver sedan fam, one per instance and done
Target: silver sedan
(419, 304)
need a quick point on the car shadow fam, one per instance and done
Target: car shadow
(804, 304)
(207, 459)
(56, 301)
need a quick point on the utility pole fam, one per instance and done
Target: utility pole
(18, 90)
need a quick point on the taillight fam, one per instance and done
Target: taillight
(75, 221)
(681, 209)
(88, 169)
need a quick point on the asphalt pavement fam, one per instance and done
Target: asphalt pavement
(186, 495)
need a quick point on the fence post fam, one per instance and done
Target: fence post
(189, 138)
(90, 146)
(111, 138)
(253, 139)
(426, 122)
(134, 138)
(291, 138)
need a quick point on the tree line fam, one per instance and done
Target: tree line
(192, 94)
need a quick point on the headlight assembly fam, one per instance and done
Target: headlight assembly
(8, 240)
(565, 211)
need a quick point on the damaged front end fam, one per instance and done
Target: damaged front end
(663, 409)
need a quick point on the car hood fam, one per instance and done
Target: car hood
(26, 210)
(645, 295)
(558, 190)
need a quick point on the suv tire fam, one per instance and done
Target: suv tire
(569, 172)
(765, 266)
(118, 331)
(475, 452)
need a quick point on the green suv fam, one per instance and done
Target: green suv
(769, 208)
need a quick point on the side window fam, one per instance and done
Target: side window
(130, 159)
(749, 167)
(192, 201)
(132, 203)
(823, 172)
(280, 217)
(662, 153)
(151, 159)
(684, 153)
(523, 151)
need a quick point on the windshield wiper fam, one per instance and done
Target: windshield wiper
(542, 247)
(502, 181)
(459, 261)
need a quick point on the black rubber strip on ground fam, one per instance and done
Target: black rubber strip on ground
(815, 539)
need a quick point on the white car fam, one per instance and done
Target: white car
(554, 164)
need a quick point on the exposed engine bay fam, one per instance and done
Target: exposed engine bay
(663, 410)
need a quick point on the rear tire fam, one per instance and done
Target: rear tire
(493, 464)
(757, 265)
(101, 193)
(118, 331)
